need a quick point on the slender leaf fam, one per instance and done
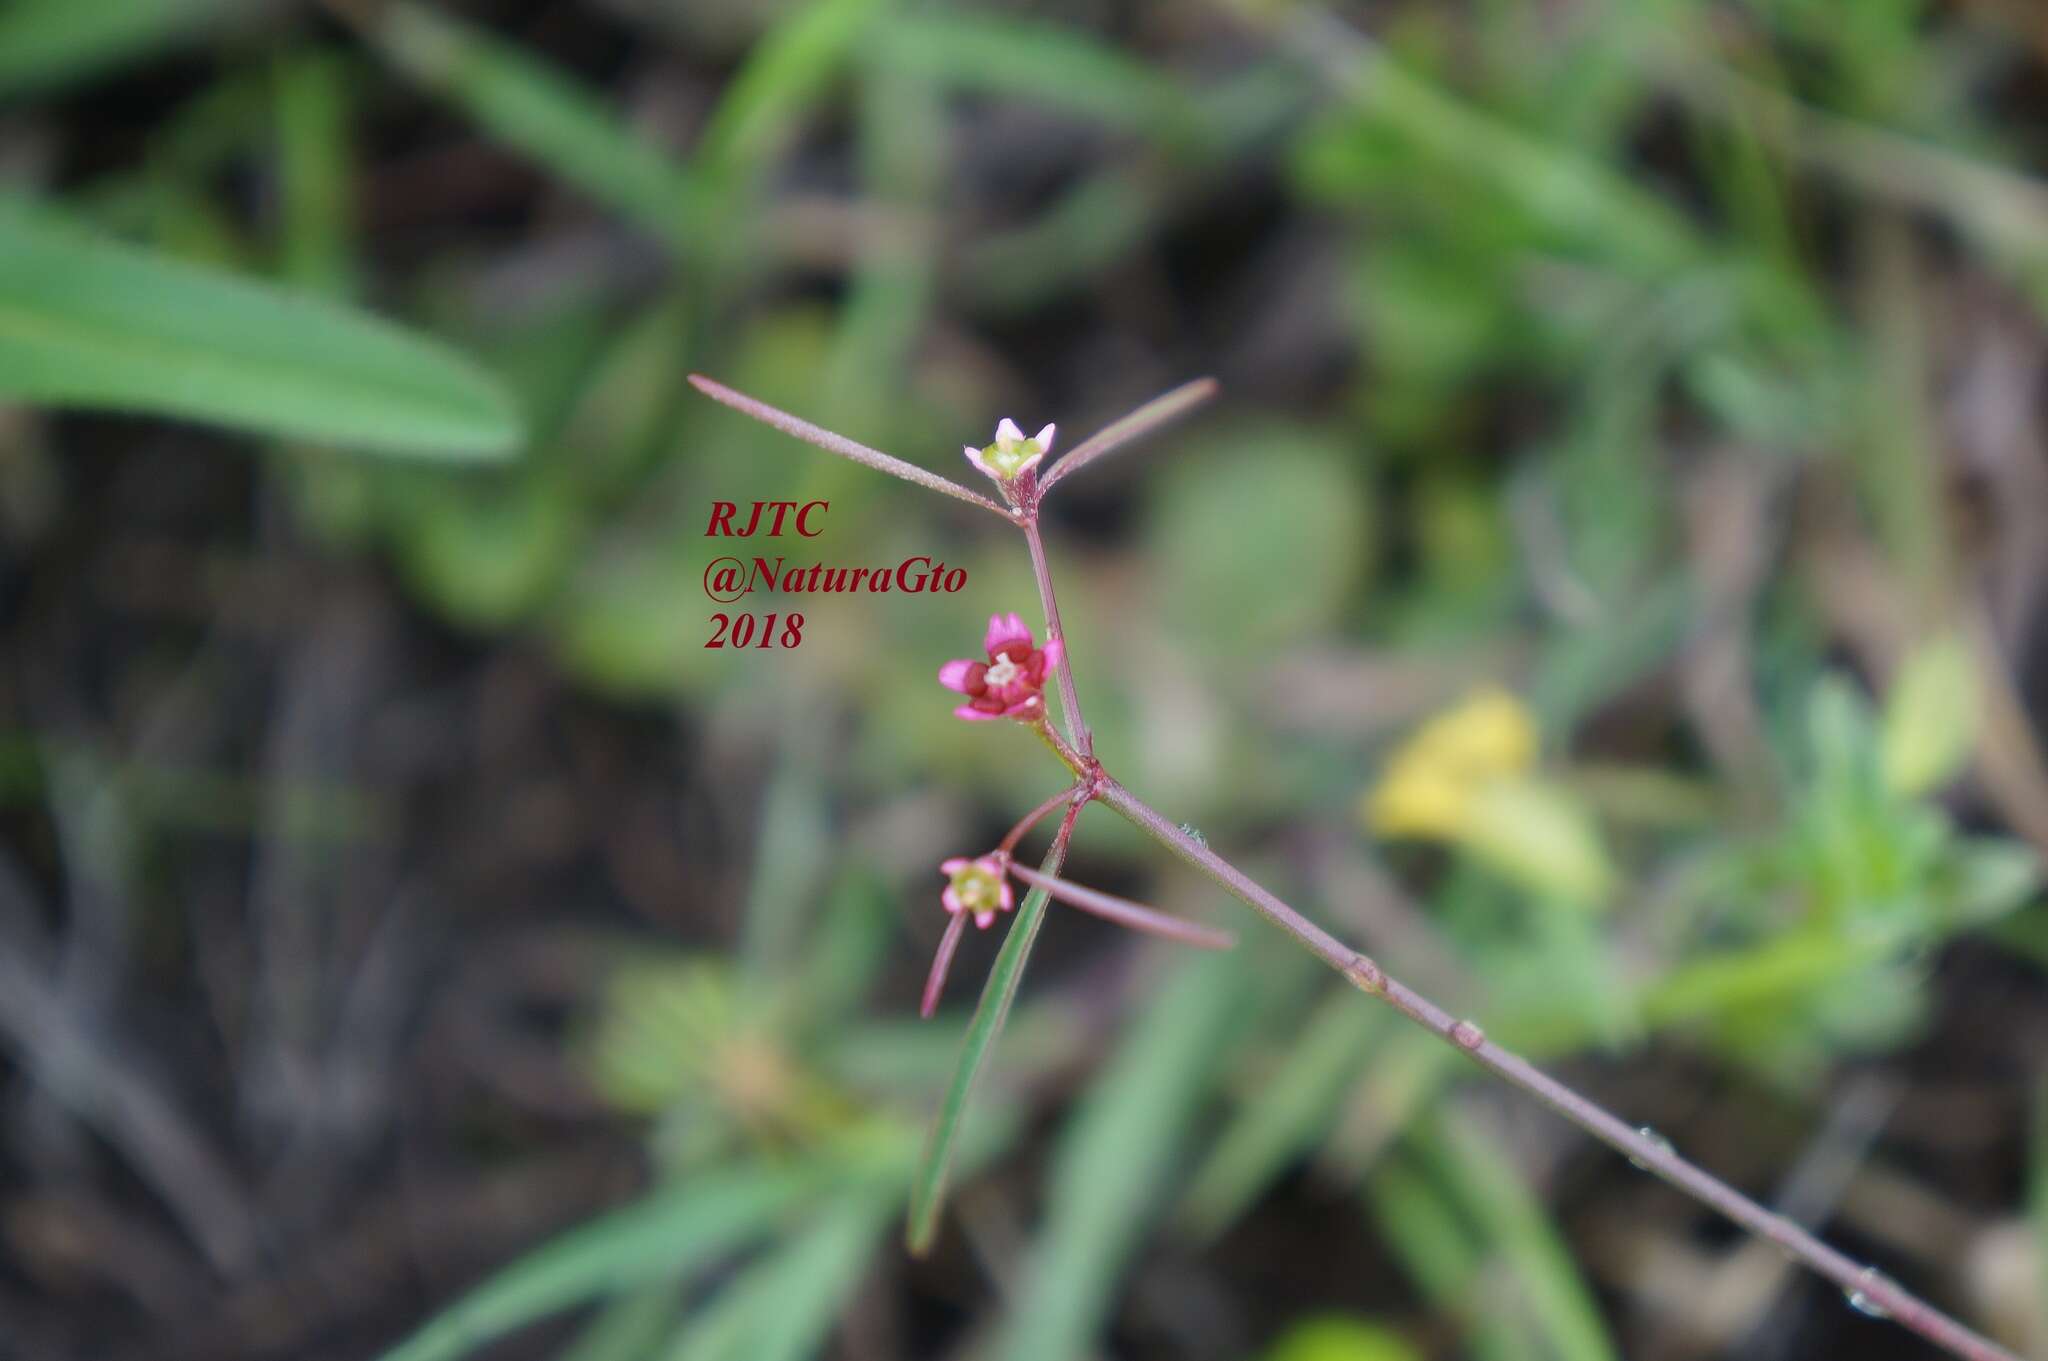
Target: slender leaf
(781, 1308)
(927, 1194)
(1436, 1251)
(783, 74)
(1493, 1193)
(1116, 1159)
(629, 1328)
(542, 112)
(667, 1235)
(1289, 1113)
(1046, 63)
(45, 43)
(88, 322)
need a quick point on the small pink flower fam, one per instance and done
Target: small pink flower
(1011, 456)
(979, 888)
(1011, 683)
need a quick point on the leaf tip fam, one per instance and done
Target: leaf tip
(919, 1233)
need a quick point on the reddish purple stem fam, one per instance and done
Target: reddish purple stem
(935, 981)
(1124, 912)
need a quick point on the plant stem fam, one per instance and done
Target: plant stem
(1070, 702)
(1870, 1290)
(1048, 734)
(1032, 819)
(1125, 913)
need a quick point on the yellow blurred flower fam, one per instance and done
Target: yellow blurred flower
(1468, 778)
(1427, 787)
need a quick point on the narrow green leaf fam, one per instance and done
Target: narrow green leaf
(1289, 1112)
(1930, 717)
(1560, 185)
(781, 1308)
(666, 1235)
(536, 109)
(45, 43)
(1116, 1158)
(1048, 64)
(781, 76)
(927, 1193)
(628, 1328)
(86, 321)
(1493, 1193)
(1438, 1254)
(1725, 983)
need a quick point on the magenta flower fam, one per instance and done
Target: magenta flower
(979, 888)
(1011, 683)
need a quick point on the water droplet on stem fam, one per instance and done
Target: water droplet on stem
(1662, 1144)
(1861, 1300)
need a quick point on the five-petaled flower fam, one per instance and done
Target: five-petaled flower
(1011, 683)
(979, 888)
(1011, 456)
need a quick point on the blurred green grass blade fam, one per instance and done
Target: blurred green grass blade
(666, 1235)
(781, 77)
(927, 1194)
(46, 43)
(86, 321)
(1047, 64)
(1438, 1254)
(312, 97)
(1116, 1156)
(629, 1328)
(538, 110)
(1571, 193)
(1087, 229)
(1497, 1199)
(781, 1308)
(789, 857)
(903, 154)
(1289, 1113)
(1723, 984)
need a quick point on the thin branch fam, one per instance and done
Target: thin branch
(1124, 912)
(1032, 819)
(839, 444)
(1870, 1290)
(1159, 411)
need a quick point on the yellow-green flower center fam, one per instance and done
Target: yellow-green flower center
(976, 888)
(1008, 457)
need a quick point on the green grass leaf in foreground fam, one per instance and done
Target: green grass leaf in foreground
(86, 321)
(927, 1194)
(46, 44)
(663, 1237)
(1115, 1158)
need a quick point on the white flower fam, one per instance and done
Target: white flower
(1011, 456)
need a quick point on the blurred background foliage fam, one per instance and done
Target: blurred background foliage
(1610, 590)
